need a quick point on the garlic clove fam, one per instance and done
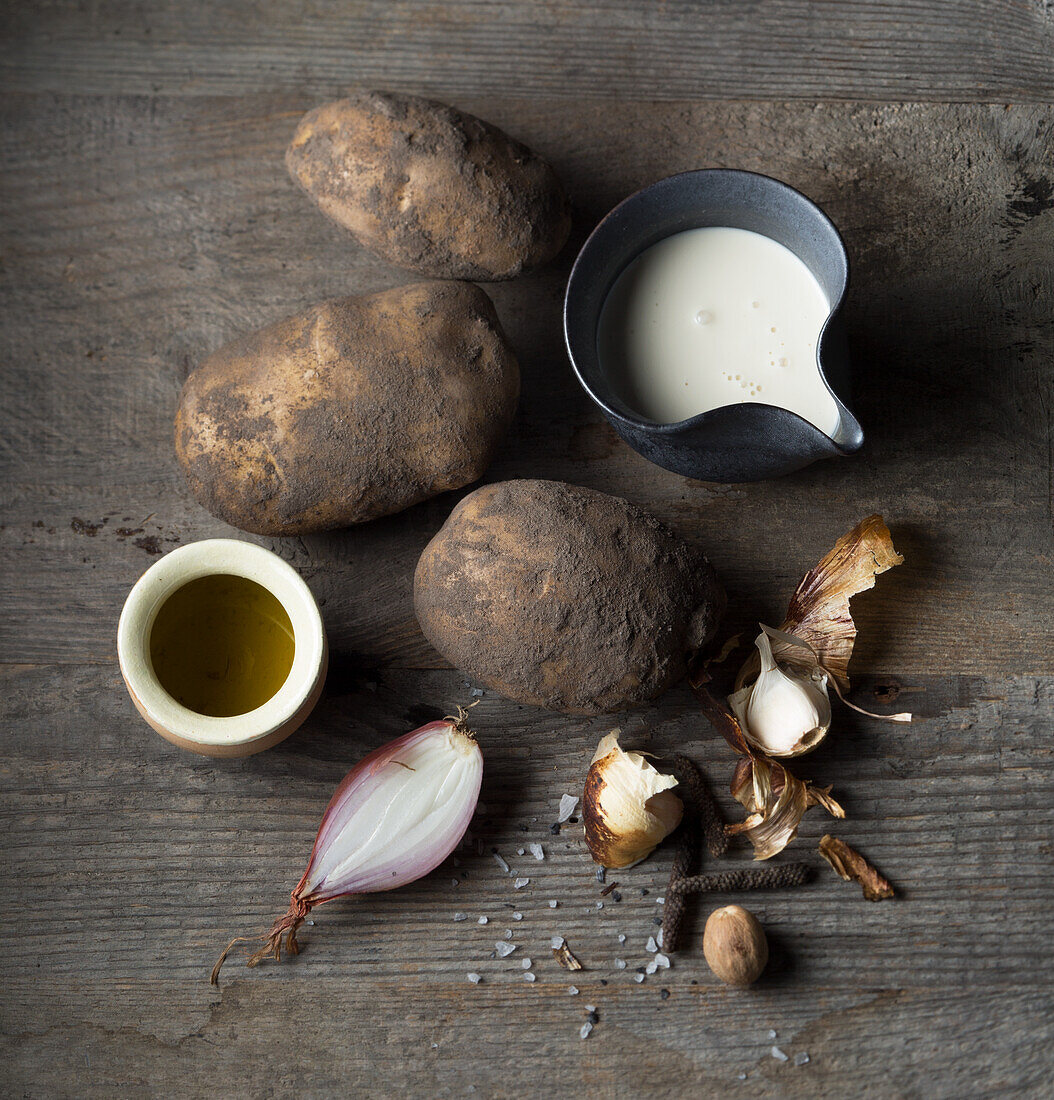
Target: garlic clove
(786, 711)
(628, 807)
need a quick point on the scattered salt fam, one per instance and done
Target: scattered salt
(508, 933)
(482, 920)
(455, 882)
(520, 883)
(526, 964)
(586, 1028)
(779, 1055)
(600, 905)
(660, 901)
(772, 1033)
(553, 904)
(519, 851)
(651, 967)
(461, 916)
(501, 863)
(742, 1077)
(658, 938)
(663, 961)
(474, 979)
(557, 942)
(601, 874)
(528, 977)
(651, 945)
(620, 964)
(517, 916)
(310, 922)
(477, 693)
(504, 948)
(572, 990)
(537, 851)
(801, 1059)
(621, 937)
(568, 802)
(591, 1008)
(638, 977)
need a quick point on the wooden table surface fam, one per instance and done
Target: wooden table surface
(147, 218)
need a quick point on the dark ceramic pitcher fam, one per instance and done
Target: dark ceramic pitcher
(742, 442)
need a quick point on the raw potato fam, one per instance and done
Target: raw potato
(564, 597)
(429, 188)
(356, 408)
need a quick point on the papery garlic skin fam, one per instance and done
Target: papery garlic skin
(628, 806)
(783, 713)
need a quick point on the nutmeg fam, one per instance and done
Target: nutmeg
(735, 946)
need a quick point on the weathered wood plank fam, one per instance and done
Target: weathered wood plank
(141, 233)
(942, 50)
(127, 865)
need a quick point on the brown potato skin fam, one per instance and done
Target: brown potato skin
(564, 597)
(353, 409)
(430, 188)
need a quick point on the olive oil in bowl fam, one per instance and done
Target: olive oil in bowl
(222, 645)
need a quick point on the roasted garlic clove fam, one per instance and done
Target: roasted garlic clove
(786, 711)
(628, 807)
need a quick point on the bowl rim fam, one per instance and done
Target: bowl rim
(211, 557)
(676, 427)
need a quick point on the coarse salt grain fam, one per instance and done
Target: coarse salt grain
(501, 863)
(591, 1008)
(660, 901)
(455, 882)
(482, 920)
(600, 905)
(519, 851)
(553, 904)
(557, 942)
(651, 945)
(503, 948)
(520, 883)
(779, 1055)
(586, 1028)
(517, 916)
(773, 1033)
(663, 961)
(477, 693)
(638, 977)
(620, 964)
(568, 802)
(528, 977)
(801, 1059)
(651, 967)
(621, 937)
(537, 851)
(573, 990)
(508, 933)
(526, 964)
(474, 978)
(461, 916)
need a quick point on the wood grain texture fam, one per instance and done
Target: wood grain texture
(139, 234)
(129, 864)
(148, 218)
(937, 50)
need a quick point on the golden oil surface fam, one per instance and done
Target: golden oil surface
(222, 645)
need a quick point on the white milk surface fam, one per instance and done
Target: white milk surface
(712, 317)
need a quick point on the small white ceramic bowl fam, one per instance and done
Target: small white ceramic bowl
(240, 734)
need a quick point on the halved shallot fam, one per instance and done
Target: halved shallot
(396, 816)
